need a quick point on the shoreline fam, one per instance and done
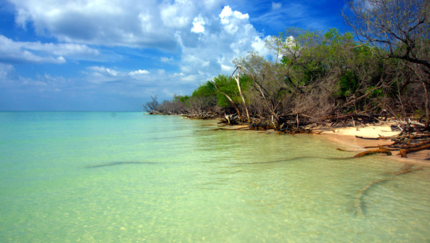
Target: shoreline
(346, 138)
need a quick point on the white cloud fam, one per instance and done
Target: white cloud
(276, 6)
(36, 52)
(19, 52)
(138, 72)
(205, 39)
(11, 81)
(100, 74)
(176, 15)
(132, 23)
(198, 25)
(226, 68)
(230, 37)
(227, 14)
(259, 45)
(103, 70)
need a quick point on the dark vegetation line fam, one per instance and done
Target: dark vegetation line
(327, 77)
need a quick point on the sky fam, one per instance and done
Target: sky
(112, 55)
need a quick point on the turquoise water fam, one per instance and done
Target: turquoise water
(128, 177)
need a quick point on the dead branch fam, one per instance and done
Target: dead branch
(375, 151)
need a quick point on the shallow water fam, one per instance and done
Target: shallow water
(110, 177)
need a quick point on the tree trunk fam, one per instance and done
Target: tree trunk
(427, 106)
(241, 95)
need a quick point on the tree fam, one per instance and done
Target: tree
(401, 27)
(151, 106)
(205, 90)
(227, 90)
(267, 80)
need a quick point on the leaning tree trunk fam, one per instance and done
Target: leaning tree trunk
(241, 95)
(231, 101)
(272, 109)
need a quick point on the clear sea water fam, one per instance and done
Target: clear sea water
(129, 177)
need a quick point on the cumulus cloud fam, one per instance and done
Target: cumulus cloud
(231, 36)
(203, 37)
(198, 25)
(134, 23)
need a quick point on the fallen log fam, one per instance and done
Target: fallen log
(369, 138)
(378, 146)
(406, 146)
(403, 152)
(374, 151)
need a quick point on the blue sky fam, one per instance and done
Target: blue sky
(112, 55)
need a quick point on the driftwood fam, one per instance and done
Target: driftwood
(380, 137)
(374, 151)
(378, 146)
(403, 152)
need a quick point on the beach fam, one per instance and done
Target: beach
(347, 139)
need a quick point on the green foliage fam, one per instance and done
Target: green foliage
(182, 99)
(347, 85)
(205, 90)
(229, 86)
